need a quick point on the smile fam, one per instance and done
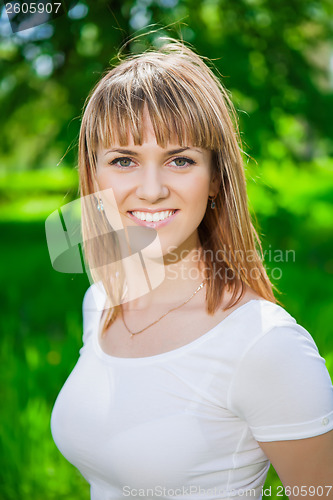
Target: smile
(154, 220)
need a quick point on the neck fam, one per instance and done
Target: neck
(182, 271)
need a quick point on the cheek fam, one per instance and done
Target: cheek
(106, 182)
(197, 189)
(112, 195)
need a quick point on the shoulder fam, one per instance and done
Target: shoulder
(94, 298)
(248, 295)
(254, 317)
(265, 333)
(92, 308)
(280, 384)
(275, 349)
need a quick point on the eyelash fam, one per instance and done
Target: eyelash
(188, 160)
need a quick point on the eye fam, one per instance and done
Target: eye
(182, 162)
(122, 162)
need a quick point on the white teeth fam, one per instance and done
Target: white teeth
(156, 217)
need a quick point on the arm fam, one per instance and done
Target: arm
(306, 463)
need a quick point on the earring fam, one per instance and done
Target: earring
(100, 207)
(213, 204)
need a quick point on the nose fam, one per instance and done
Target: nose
(151, 185)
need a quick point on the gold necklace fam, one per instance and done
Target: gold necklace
(173, 309)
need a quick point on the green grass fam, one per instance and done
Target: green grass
(41, 337)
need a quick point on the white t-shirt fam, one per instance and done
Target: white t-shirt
(184, 424)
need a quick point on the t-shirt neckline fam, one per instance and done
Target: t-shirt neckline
(173, 352)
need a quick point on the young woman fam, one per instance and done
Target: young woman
(192, 379)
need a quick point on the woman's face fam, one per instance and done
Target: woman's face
(163, 188)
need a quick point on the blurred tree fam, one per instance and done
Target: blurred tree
(276, 57)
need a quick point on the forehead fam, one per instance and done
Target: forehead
(148, 137)
(139, 125)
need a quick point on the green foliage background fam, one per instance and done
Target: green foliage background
(276, 60)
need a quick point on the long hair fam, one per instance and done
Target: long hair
(187, 104)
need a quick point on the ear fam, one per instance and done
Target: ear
(215, 183)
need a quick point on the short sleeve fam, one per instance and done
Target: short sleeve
(281, 387)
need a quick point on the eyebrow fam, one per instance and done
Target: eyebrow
(133, 153)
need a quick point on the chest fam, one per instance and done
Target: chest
(174, 330)
(149, 423)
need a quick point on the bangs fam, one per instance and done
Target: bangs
(181, 109)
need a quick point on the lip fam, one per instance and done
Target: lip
(153, 225)
(152, 211)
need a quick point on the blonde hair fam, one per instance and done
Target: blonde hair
(187, 104)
